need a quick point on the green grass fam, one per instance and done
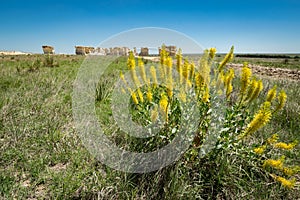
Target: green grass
(42, 156)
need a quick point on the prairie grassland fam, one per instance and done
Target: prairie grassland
(42, 157)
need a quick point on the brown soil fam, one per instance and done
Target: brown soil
(279, 73)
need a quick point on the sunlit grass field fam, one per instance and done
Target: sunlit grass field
(42, 157)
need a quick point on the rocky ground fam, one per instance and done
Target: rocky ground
(279, 73)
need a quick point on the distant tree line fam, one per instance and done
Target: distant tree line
(265, 56)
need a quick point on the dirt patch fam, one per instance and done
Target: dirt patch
(276, 73)
(279, 73)
(58, 167)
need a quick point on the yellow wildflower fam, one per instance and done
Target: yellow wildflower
(204, 68)
(257, 91)
(288, 171)
(149, 95)
(281, 100)
(134, 98)
(228, 82)
(260, 150)
(245, 78)
(178, 60)
(198, 80)
(285, 146)
(142, 69)
(271, 94)
(123, 78)
(186, 69)
(252, 87)
(153, 74)
(163, 103)
(261, 118)
(131, 61)
(227, 58)
(169, 61)
(206, 94)
(212, 52)
(163, 55)
(273, 139)
(220, 79)
(276, 164)
(286, 183)
(192, 67)
(162, 72)
(140, 94)
(131, 67)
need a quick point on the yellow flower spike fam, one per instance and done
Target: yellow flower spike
(227, 58)
(220, 79)
(142, 69)
(163, 55)
(122, 77)
(192, 67)
(271, 94)
(153, 75)
(257, 91)
(285, 182)
(276, 164)
(252, 87)
(260, 150)
(178, 60)
(163, 104)
(273, 139)
(206, 94)
(204, 68)
(198, 80)
(149, 95)
(134, 98)
(140, 94)
(162, 72)
(288, 171)
(154, 114)
(228, 82)
(180, 75)
(131, 61)
(229, 89)
(169, 67)
(186, 72)
(245, 79)
(169, 62)
(186, 68)
(212, 52)
(285, 146)
(135, 79)
(281, 100)
(261, 118)
(131, 67)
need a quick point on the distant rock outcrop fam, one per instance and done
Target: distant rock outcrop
(12, 53)
(48, 49)
(144, 51)
(170, 49)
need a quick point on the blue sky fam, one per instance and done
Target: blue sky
(266, 26)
